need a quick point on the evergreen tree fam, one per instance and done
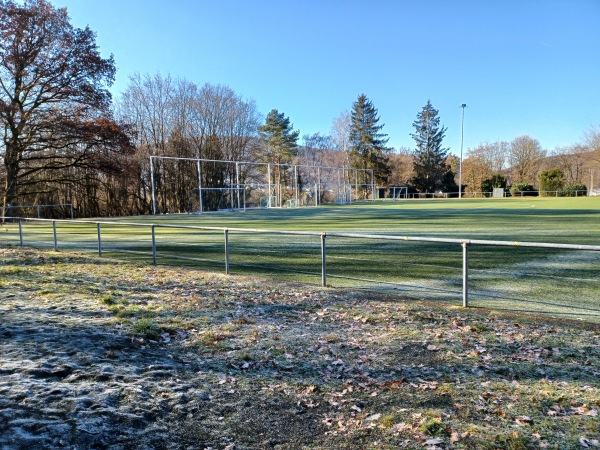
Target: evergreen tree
(279, 138)
(367, 148)
(432, 172)
(489, 184)
(551, 181)
(279, 141)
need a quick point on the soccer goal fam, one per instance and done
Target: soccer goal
(218, 199)
(186, 185)
(399, 192)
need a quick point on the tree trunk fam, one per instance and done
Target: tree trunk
(10, 192)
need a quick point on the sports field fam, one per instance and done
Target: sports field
(564, 283)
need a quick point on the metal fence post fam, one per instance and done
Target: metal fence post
(323, 260)
(54, 232)
(21, 232)
(99, 240)
(153, 245)
(226, 232)
(465, 246)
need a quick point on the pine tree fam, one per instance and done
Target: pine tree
(279, 141)
(279, 138)
(366, 142)
(432, 172)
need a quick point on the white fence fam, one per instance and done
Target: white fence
(314, 247)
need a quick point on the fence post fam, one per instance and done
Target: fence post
(99, 240)
(323, 260)
(21, 232)
(54, 232)
(153, 245)
(226, 232)
(465, 246)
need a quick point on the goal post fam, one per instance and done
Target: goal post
(227, 198)
(399, 192)
(180, 185)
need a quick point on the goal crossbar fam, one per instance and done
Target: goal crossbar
(316, 180)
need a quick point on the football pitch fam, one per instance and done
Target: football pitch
(559, 282)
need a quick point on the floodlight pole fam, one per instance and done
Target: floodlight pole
(462, 138)
(152, 181)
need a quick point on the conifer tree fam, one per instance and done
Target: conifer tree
(279, 141)
(432, 172)
(279, 138)
(367, 148)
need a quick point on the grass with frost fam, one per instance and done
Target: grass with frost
(560, 282)
(297, 367)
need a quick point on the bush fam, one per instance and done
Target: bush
(551, 182)
(488, 185)
(523, 190)
(574, 190)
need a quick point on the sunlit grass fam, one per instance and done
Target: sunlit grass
(543, 280)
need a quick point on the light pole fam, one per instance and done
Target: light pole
(462, 138)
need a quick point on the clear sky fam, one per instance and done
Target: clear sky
(521, 66)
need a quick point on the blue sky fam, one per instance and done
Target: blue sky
(522, 66)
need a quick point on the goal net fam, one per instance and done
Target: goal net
(399, 192)
(184, 185)
(218, 199)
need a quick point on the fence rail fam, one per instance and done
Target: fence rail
(305, 248)
(490, 194)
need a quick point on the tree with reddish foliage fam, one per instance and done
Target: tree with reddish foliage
(54, 99)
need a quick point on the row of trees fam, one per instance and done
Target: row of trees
(523, 162)
(65, 141)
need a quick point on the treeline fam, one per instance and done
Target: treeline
(522, 165)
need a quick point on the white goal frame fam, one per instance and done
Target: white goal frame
(399, 192)
(336, 182)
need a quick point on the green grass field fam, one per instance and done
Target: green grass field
(563, 283)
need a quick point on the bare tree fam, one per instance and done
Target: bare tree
(573, 162)
(493, 155)
(54, 100)
(525, 156)
(177, 118)
(340, 131)
(402, 167)
(592, 139)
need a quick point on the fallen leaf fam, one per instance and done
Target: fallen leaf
(399, 427)
(584, 411)
(373, 417)
(524, 420)
(454, 437)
